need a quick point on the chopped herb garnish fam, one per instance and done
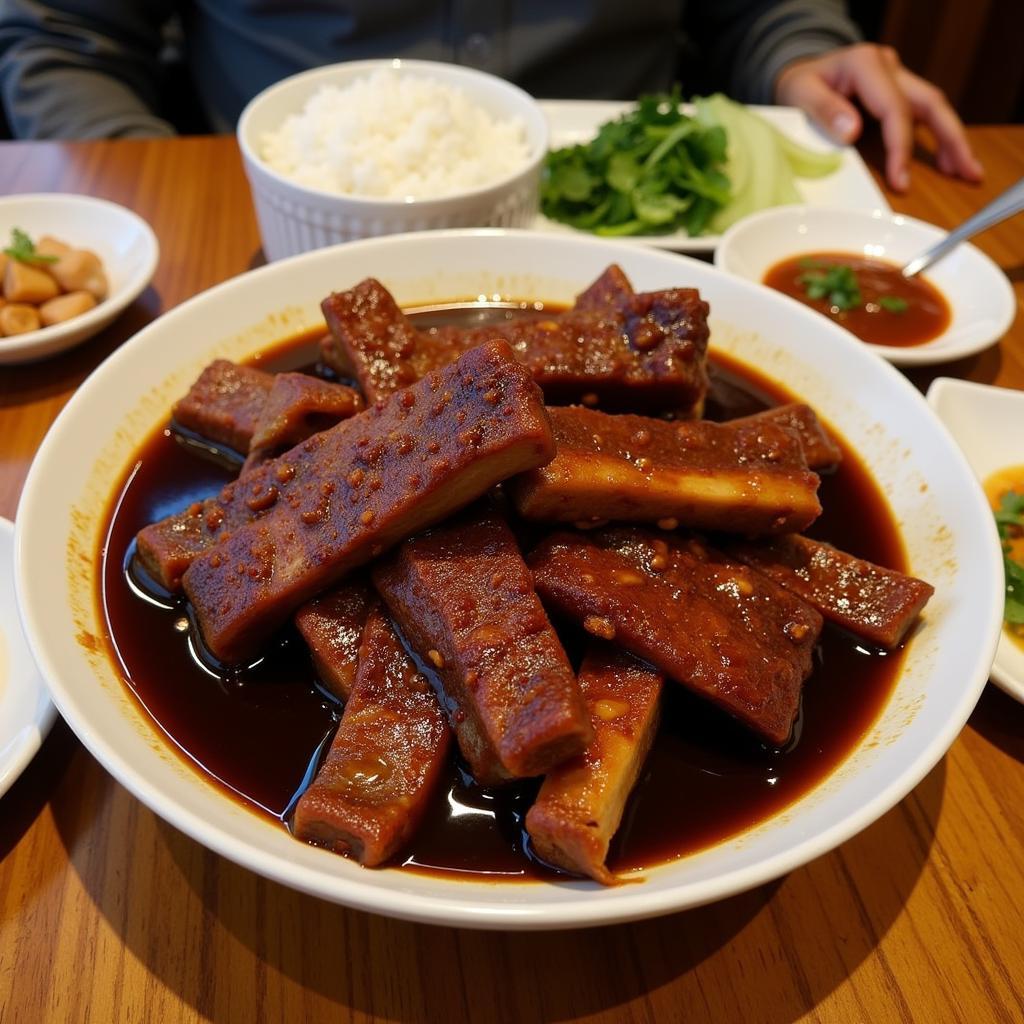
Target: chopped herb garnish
(1010, 523)
(23, 249)
(893, 304)
(654, 170)
(837, 285)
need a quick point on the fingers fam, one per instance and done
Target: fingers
(869, 73)
(873, 75)
(929, 104)
(804, 86)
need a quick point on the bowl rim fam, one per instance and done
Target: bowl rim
(929, 352)
(50, 338)
(531, 111)
(444, 909)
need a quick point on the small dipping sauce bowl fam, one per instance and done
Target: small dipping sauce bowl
(980, 299)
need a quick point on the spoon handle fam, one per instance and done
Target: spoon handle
(1006, 205)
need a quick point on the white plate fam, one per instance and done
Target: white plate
(980, 297)
(26, 712)
(851, 185)
(988, 424)
(947, 529)
(124, 242)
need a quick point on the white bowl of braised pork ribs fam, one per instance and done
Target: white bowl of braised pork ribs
(483, 573)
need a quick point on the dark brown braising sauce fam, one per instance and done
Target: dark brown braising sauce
(260, 732)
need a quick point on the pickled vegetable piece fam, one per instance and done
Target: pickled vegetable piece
(385, 760)
(722, 629)
(18, 318)
(464, 599)
(80, 270)
(64, 307)
(580, 804)
(24, 283)
(748, 478)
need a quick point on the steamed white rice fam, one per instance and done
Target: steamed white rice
(395, 136)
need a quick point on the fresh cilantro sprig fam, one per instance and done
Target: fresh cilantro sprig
(836, 284)
(23, 249)
(652, 171)
(1010, 524)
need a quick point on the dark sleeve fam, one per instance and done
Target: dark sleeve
(82, 69)
(747, 43)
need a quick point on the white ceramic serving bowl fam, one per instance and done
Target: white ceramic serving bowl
(123, 241)
(947, 529)
(981, 299)
(988, 424)
(295, 219)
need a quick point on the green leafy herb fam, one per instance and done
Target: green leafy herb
(23, 249)
(837, 285)
(652, 171)
(893, 304)
(1010, 524)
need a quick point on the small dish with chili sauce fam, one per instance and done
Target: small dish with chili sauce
(846, 265)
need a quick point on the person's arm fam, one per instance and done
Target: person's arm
(808, 54)
(82, 69)
(747, 43)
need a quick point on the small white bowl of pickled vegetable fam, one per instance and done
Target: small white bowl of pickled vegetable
(986, 423)
(980, 303)
(127, 251)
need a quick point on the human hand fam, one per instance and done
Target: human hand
(823, 86)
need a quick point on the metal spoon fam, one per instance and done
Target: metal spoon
(1003, 206)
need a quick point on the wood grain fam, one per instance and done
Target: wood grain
(108, 914)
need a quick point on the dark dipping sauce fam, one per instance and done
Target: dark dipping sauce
(925, 316)
(260, 732)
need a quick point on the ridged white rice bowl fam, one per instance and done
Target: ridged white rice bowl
(377, 147)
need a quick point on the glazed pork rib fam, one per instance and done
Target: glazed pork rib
(874, 603)
(580, 804)
(615, 347)
(168, 547)
(720, 628)
(332, 626)
(295, 407)
(298, 406)
(748, 478)
(357, 489)
(246, 409)
(464, 599)
(385, 760)
(820, 450)
(224, 404)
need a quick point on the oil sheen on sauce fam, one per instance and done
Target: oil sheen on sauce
(260, 732)
(923, 312)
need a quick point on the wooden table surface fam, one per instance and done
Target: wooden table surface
(108, 914)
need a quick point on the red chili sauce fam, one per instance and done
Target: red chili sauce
(260, 733)
(892, 310)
